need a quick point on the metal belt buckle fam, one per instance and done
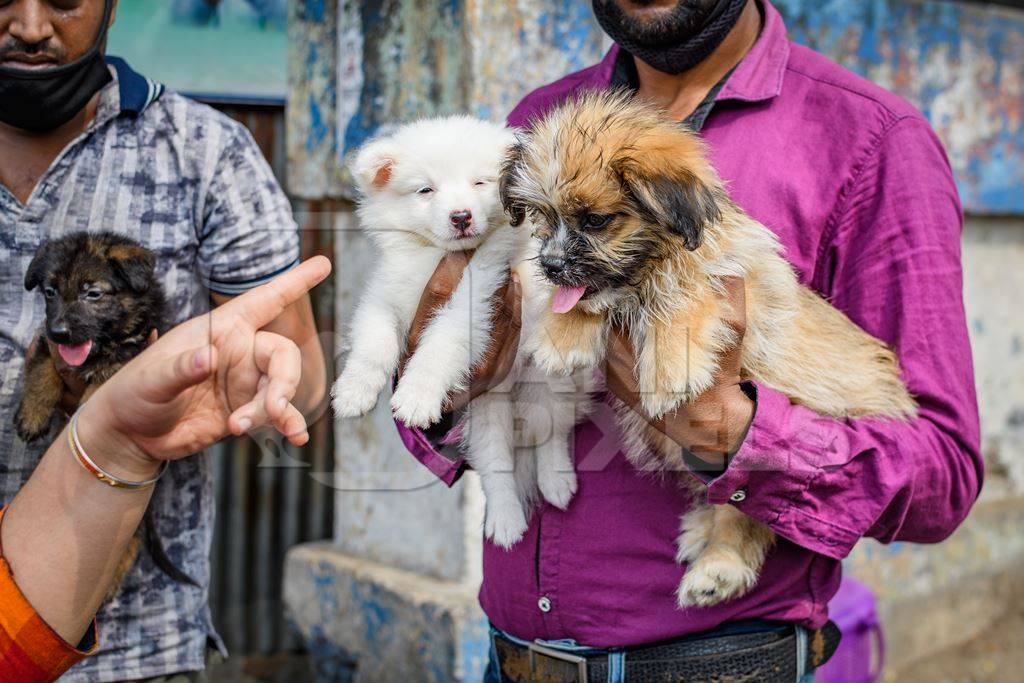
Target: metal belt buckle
(537, 649)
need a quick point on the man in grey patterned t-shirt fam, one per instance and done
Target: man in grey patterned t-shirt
(110, 150)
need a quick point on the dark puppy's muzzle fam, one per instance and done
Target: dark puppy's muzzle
(553, 266)
(553, 259)
(58, 332)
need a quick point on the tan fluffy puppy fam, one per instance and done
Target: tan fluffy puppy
(634, 228)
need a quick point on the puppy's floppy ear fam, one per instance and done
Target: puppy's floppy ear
(39, 265)
(373, 165)
(507, 180)
(681, 203)
(134, 264)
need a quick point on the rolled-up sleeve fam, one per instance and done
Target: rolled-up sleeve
(893, 266)
(248, 234)
(31, 651)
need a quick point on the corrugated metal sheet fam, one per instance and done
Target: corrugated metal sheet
(267, 497)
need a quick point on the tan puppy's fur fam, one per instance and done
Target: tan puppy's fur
(656, 267)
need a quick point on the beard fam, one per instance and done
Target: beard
(665, 27)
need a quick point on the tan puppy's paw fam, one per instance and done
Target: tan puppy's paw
(418, 400)
(565, 342)
(668, 393)
(658, 403)
(696, 529)
(563, 361)
(714, 577)
(505, 522)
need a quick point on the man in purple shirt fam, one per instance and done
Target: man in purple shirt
(857, 187)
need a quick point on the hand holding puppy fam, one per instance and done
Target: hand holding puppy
(506, 319)
(712, 426)
(214, 375)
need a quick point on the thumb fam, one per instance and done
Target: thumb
(174, 376)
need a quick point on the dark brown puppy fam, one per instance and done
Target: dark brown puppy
(102, 304)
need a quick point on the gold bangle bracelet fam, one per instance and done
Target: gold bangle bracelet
(102, 475)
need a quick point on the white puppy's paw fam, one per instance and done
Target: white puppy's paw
(505, 523)
(418, 400)
(354, 394)
(715, 577)
(558, 488)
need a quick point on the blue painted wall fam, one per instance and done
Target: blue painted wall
(356, 65)
(961, 63)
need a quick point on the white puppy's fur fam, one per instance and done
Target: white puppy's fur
(411, 181)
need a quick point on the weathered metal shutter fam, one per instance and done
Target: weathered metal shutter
(267, 500)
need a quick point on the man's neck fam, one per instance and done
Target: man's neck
(28, 155)
(680, 94)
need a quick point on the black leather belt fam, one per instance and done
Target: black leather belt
(768, 656)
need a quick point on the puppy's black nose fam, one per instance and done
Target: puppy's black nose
(461, 219)
(552, 265)
(59, 332)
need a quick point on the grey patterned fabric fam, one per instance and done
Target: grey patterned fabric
(190, 184)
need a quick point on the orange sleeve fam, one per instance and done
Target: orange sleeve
(30, 651)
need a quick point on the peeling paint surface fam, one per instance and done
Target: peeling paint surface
(312, 99)
(357, 65)
(962, 64)
(518, 46)
(370, 623)
(361, 65)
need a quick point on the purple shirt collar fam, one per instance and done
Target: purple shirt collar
(757, 77)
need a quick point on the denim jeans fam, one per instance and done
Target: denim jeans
(616, 670)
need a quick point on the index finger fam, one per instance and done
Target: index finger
(265, 303)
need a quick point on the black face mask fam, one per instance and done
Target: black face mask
(40, 100)
(671, 48)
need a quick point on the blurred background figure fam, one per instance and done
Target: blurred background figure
(208, 12)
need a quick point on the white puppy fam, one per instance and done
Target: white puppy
(428, 188)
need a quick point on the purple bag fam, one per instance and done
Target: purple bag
(860, 656)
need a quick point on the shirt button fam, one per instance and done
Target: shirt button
(738, 496)
(544, 604)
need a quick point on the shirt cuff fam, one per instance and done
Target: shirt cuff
(416, 441)
(708, 471)
(768, 478)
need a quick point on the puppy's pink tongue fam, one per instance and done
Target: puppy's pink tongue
(74, 354)
(566, 298)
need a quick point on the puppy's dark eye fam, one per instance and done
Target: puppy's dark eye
(49, 292)
(425, 190)
(480, 182)
(94, 294)
(593, 221)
